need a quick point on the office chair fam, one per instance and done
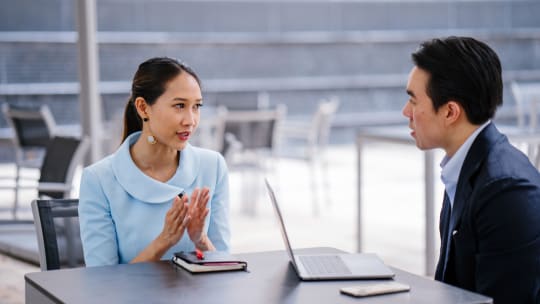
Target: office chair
(527, 99)
(62, 156)
(210, 134)
(313, 136)
(33, 128)
(57, 230)
(250, 143)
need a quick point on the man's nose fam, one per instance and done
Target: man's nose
(406, 110)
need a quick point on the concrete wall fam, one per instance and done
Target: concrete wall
(297, 51)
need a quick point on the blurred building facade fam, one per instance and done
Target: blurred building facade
(247, 51)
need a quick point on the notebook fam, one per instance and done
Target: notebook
(345, 266)
(210, 262)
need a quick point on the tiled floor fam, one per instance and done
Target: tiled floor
(393, 213)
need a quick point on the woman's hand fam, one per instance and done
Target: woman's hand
(176, 221)
(197, 214)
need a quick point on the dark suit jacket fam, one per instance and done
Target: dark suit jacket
(495, 223)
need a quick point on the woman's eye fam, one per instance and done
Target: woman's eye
(198, 105)
(179, 105)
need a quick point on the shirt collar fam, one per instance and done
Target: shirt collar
(451, 166)
(145, 188)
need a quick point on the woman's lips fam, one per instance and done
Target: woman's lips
(183, 135)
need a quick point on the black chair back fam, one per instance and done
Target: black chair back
(33, 126)
(62, 155)
(255, 130)
(57, 229)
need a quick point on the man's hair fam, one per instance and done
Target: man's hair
(464, 70)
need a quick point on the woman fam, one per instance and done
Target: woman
(156, 194)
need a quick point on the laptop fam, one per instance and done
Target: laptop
(347, 266)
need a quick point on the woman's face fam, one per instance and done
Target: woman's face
(175, 115)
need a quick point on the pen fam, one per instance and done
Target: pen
(199, 254)
(181, 194)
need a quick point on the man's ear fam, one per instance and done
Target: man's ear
(454, 112)
(141, 106)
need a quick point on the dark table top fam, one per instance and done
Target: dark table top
(270, 279)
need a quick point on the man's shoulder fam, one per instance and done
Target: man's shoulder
(504, 161)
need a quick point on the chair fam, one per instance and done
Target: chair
(313, 136)
(57, 230)
(210, 133)
(62, 156)
(33, 128)
(527, 99)
(250, 141)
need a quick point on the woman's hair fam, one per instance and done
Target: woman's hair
(150, 82)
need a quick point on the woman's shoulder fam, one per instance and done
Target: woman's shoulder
(101, 166)
(207, 154)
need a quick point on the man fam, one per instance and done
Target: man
(490, 220)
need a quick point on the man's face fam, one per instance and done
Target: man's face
(427, 126)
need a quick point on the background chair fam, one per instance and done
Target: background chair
(62, 156)
(210, 133)
(527, 99)
(57, 230)
(312, 139)
(32, 130)
(250, 143)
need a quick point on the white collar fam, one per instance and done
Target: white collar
(451, 167)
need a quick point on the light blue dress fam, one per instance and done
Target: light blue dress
(122, 210)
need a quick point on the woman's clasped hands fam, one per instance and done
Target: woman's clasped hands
(188, 214)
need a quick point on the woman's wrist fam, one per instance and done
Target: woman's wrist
(162, 243)
(204, 243)
(154, 251)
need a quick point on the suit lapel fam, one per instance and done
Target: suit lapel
(474, 159)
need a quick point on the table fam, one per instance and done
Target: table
(270, 279)
(401, 135)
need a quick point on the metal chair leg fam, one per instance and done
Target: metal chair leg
(16, 199)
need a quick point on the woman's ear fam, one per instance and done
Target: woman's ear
(141, 106)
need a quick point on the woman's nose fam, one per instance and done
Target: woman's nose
(189, 118)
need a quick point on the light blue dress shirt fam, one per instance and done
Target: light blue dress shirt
(122, 210)
(451, 167)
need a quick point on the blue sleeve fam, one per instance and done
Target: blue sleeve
(219, 229)
(98, 233)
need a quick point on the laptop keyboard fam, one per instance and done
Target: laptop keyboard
(324, 265)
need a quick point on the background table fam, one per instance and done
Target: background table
(270, 279)
(400, 135)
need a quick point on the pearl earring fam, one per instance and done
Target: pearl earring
(151, 140)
